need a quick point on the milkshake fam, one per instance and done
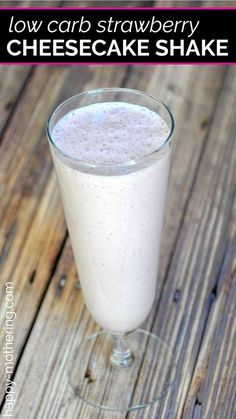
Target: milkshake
(112, 166)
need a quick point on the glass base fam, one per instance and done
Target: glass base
(142, 382)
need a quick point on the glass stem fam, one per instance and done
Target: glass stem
(121, 355)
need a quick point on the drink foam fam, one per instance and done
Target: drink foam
(110, 133)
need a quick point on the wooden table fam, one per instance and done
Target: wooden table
(195, 305)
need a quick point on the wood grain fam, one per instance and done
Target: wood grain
(195, 305)
(56, 314)
(200, 274)
(32, 224)
(12, 83)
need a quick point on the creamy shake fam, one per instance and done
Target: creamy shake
(114, 217)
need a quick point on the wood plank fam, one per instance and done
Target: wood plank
(204, 243)
(34, 236)
(11, 84)
(49, 392)
(212, 388)
(32, 224)
(85, 3)
(195, 3)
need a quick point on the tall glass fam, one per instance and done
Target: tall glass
(114, 214)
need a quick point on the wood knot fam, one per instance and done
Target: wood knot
(214, 293)
(171, 87)
(197, 402)
(32, 276)
(8, 105)
(176, 296)
(77, 286)
(204, 123)
(61, 283)
(89, 376)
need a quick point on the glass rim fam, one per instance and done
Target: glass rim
(126, 163)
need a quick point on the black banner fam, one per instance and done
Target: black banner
(117, 35)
